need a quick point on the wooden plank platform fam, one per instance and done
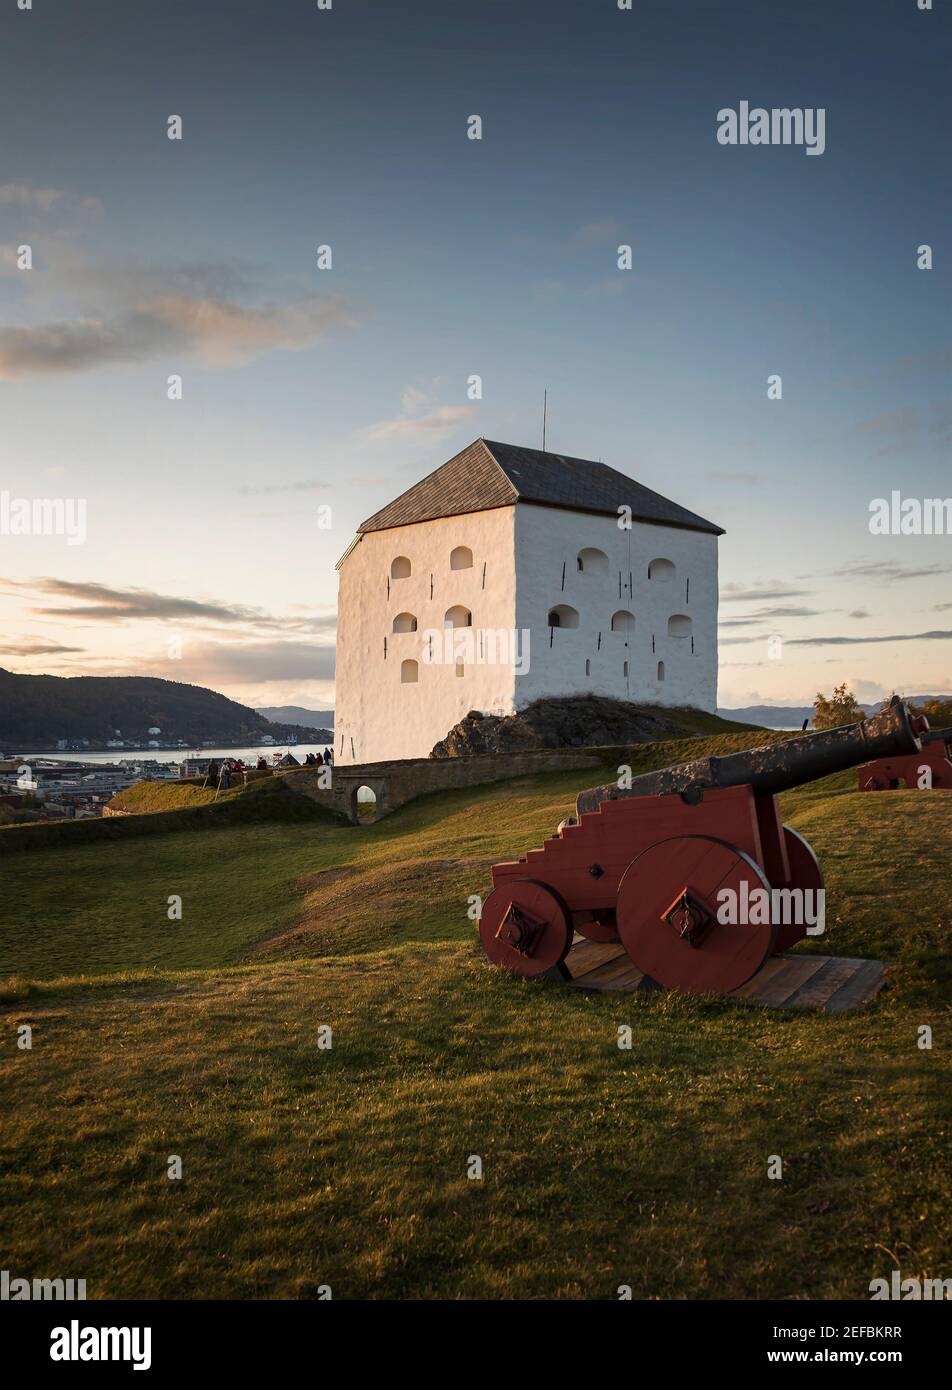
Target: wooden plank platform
(832, 983)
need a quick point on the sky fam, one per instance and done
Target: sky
(314, 395)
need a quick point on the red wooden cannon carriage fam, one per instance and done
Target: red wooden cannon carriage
(672, 864)
(929, 769)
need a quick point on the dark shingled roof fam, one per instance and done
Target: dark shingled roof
(488, 474)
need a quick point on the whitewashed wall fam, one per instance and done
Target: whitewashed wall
(547, 543)
(519, 556)
(376, 716)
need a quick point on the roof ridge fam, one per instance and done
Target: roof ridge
(489, 473)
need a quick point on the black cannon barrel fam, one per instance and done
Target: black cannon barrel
(779, 766)
(933, 736)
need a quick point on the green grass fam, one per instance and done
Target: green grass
(182, 794)
(699, 721)
(348, 1166)
(161, 810)
(145, 798)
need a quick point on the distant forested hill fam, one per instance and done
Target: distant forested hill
(294, 714)
(36, 711)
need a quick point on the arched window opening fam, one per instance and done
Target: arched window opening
(661, 569)
(460, 668)
(679, 625)
(405, 622)
(626, 670)
(588, 667)
(563, 616)
(461, 558)
(457, 616)
(400, 568)
(409, 673)
(660, 670)
(623, 621)
(592, 561)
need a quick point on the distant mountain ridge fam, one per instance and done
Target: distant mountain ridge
(37, 711)
(295, 714)
(792, 716)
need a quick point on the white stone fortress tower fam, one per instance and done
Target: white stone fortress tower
(506, 540)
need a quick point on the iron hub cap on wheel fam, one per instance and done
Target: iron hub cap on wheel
(525, 928)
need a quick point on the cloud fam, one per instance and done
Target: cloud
(64, 347)
(866, 689)
(217, 664)
(595, 233)
(105, 603)
(764, 615)
(222, 332)
(934, 361)
(435, 424)
(908, 425)
(888, 570)
(741, 593)
(94, 602)
(904, 421)
(43, 200)
(413, 400)
(34, 647)
(787, 611)
(610, 286)
(420, 416)
(219, 332)
(861, 612)
(936, 636)
(221, 644)
(841, 641)
(85, 315)
(940, 357)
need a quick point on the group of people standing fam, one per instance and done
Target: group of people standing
(222, 775)
(316, 760)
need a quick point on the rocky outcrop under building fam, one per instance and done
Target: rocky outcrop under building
(581, 721)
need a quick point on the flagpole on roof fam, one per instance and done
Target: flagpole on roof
(545, 401)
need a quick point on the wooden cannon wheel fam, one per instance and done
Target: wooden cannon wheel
(525, 927)
(668, 915)
(805, 873)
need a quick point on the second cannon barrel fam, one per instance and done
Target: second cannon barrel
(778, 766)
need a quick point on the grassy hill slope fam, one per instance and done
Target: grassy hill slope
(157, 808)
(147, 798)
(347, 1167)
